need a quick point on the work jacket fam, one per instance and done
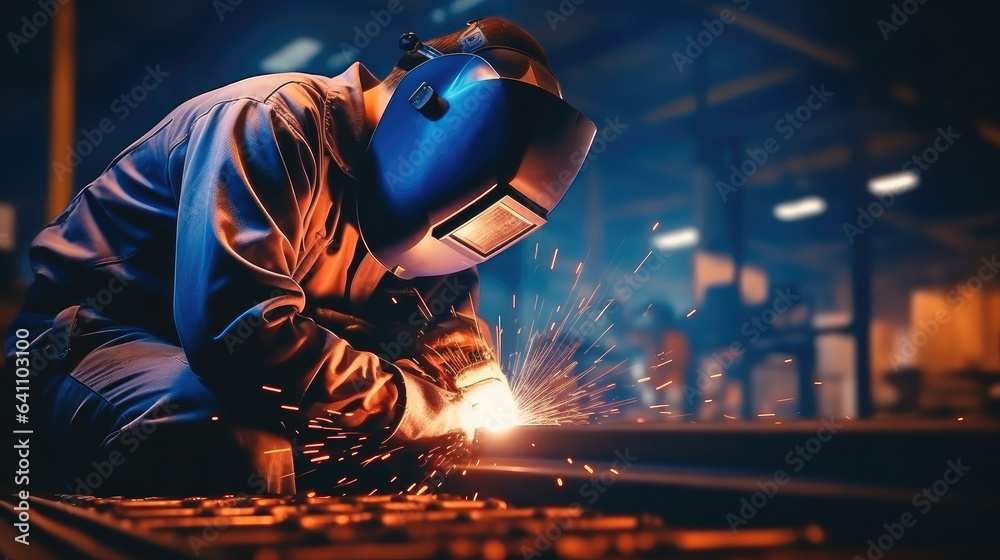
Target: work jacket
(230, 229)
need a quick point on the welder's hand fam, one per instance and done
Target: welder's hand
(432, 413)
(487, 394)
(451, 349)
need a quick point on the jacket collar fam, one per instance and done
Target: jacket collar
(347, 133)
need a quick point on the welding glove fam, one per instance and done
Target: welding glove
(485, 391)
(431, 413)
(452, 347)
(442, 348)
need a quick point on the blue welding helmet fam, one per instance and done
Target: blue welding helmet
(473, 151)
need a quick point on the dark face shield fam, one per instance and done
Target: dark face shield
(467, 161)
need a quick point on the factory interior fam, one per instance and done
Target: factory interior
(767, 312)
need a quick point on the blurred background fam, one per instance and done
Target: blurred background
(791, 210)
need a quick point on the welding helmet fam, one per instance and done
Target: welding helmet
(472, 152)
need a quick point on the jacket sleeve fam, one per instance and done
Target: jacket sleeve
(248, 181)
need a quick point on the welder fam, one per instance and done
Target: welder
(292, 249)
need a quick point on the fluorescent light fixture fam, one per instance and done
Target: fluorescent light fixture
(799, 209)
(894, 183)
(677, 239)
(292, 56)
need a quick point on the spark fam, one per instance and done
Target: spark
(546, 383)
(664, 385)
(588, 469)
(215, 418)
(662, 364)
(394, 300)
(605, 353)
(817, 382)
(289, 407)
(614, 471)
(600, 337)
(766, 414)
(569, 460)
(714, 375)
(610, 301)
(642, 263)
(656, 225)
(690, 313)
(788, 361)
(643, 380)
(271, 389)
(559, 481)
(787, 399)
(319, 459)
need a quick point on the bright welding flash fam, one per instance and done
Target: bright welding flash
(487, 394)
